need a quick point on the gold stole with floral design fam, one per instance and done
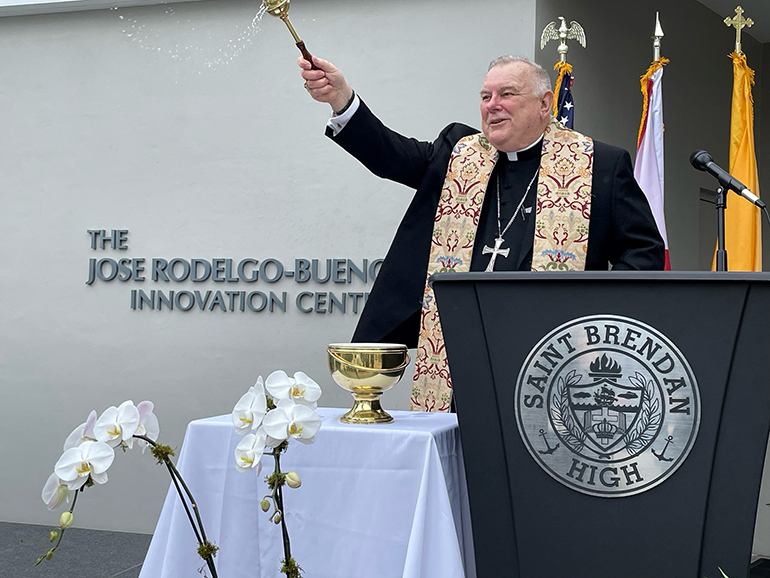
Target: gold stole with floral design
(561, 234)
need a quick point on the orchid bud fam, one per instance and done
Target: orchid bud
(66, 520)
(293, 480)
(53, 535)
(49, 554)
(265, 505)
(277, 518)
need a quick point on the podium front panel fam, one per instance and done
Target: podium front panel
(526, 523)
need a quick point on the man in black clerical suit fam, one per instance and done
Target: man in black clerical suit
(516, 102)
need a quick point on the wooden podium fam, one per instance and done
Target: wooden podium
(530, 521)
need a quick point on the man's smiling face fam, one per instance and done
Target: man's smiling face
(512, 115)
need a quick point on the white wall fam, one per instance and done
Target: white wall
(186, 127)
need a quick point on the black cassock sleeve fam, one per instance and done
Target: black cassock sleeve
(622, 231)
(392, 313)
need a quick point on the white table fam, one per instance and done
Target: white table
(379, 501)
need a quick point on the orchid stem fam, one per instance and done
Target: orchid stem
(189, 495)
(279, 504)
(176, 478)
(284, 530)
(61, 533)
(184, 504)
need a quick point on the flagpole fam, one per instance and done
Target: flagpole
(563, 103)
(743, 221)
(649, 165)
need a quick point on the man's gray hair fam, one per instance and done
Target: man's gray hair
(542, 80)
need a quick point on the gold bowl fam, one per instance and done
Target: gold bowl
(367, 370)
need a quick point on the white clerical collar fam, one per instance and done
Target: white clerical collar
(514, 156)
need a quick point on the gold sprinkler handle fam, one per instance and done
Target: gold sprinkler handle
(306, 55)
(280, 9)
(298, 41)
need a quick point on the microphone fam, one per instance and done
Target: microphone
(703, 161)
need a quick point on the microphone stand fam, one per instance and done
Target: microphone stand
(721, 205)
(702, 161)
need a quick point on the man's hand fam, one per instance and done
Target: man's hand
(325, 84)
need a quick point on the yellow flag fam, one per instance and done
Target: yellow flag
(743, 225)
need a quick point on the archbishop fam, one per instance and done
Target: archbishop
(524, 193)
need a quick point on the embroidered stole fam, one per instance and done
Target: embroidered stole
(560, 243)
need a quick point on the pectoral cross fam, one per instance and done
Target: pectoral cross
(739, 22)
(495, 252)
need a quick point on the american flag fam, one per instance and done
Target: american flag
(565, 106)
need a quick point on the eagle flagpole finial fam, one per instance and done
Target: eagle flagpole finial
(562, 34)
(739, 22)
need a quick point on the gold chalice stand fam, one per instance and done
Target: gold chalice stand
(367, 370)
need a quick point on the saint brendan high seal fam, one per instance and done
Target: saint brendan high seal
(607, 405)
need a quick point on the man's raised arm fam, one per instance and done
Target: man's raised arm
(384, 152)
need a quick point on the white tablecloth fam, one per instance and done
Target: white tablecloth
(380, 501)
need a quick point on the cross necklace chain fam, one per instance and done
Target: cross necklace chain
(499, 240)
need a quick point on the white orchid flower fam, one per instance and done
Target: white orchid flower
(148, 424)
(117, 424)
(300, 388)
(83, 433)
(250, 409)
(270, 441)
(248, 452)
(55, 492)
(88, 459)
(290, 419)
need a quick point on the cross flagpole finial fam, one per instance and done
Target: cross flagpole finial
(739, 22)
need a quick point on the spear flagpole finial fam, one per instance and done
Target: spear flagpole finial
(739, 23)
(656, 38)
